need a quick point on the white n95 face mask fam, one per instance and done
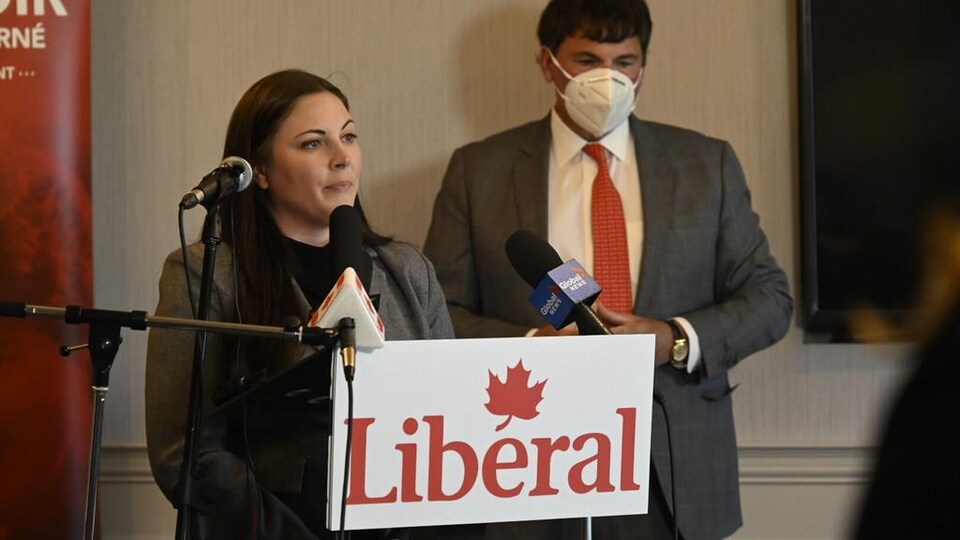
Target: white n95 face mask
(600, 99)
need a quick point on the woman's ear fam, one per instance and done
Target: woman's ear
(260, 178)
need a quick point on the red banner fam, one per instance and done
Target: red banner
(45, 258)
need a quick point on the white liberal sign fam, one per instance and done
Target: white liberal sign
(491, 430)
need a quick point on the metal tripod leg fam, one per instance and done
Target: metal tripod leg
(93, 474)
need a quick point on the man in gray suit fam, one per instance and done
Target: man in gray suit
(682, 258)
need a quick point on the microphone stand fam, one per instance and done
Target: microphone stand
(104, 343)
(186, 495)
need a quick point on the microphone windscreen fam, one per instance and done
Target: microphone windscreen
(346, 244)
(531, 256)
(243, 168)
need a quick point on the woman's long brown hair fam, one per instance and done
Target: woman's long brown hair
(266, 292)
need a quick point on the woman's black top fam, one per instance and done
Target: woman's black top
(312, 268)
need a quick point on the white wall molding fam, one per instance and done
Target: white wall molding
(782, 464)
(759, 464)
(125, 464)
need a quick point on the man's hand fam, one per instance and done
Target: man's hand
(549, 331)
(628, 323)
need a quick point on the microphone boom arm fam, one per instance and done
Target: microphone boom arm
(139, 320)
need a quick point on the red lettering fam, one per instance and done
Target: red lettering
(601, 458)
(628, 449)
(591, 474)
(435, 463)
(358, 467)
(491, 465)
(545, 450)
(408, 464)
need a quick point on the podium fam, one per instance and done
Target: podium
(493, 430)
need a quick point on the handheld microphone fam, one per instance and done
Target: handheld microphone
(233, 175)
(562, 292)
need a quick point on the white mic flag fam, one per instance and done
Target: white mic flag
(348, 298)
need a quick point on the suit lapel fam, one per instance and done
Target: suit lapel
(530, 172)
(656, 187)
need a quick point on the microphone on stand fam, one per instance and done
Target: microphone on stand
(562, 291)
(233, 175)
(348, 299)
(349, 308)
(346, 244)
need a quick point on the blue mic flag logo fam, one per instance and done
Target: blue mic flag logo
(561, 289)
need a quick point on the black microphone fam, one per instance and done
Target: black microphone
(347, 305)
(532, 257)
(346, 244)
(233, 175)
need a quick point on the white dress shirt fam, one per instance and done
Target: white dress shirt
(569, 194)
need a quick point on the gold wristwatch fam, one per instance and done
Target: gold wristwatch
(680, 351)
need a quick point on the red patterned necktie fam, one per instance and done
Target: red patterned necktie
(611, 258)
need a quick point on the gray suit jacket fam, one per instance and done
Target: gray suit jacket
(285, 448)
(705, 258)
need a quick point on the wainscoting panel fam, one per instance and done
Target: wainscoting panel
(800, 492)
(795, 492)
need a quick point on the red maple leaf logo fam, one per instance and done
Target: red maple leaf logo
(513, 397)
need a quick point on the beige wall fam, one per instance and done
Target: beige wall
(423, 77)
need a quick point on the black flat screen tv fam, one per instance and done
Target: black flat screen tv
(879, 146)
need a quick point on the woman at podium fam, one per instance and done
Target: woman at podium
(261, 466)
